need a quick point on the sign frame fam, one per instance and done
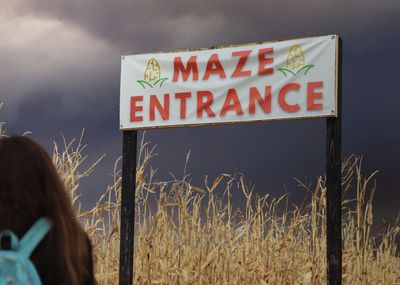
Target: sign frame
(333, 186)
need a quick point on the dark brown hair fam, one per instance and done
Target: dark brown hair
(30, 188)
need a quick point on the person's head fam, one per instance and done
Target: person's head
(30, 188)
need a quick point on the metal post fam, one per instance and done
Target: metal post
(334, 187)
(128, 207)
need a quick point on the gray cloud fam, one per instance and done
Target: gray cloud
(140, 26)
(43, 53)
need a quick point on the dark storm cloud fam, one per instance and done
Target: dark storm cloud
(62, 74)
(142, 26)
(40, 54)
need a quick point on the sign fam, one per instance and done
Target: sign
(256, 82)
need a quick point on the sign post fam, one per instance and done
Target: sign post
(334, 187)
(294, 79)
(129, 149)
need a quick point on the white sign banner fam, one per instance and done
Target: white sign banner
(257, 82)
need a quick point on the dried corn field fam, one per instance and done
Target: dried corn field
(193, 234)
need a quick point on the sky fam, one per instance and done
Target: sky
(61, 73)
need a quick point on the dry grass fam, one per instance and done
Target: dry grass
(2, 124)
(187, 234)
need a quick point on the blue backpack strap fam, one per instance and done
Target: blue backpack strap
(34, 236)
(14, 242)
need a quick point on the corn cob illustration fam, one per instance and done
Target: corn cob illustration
(295, 62)
(152, 75)
(295, 58)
